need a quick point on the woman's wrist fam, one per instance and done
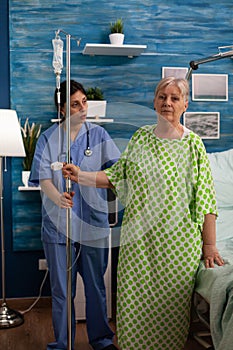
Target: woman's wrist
(77, 173)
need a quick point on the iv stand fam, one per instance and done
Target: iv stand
(68, 210)
(218, 56)
(68, 189)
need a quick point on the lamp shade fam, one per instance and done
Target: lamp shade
(11, 141)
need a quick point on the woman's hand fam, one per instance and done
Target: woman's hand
(211, 255)
(209, 250)
(70, 171)
(62, 200)
(86, 178)
(65, 200)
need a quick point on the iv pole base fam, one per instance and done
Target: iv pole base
(9, 318)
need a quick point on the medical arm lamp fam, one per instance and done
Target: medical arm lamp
(11, 145)
(221, 54)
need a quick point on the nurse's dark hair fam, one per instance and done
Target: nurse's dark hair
(74, 87)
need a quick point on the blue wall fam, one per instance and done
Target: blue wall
(175, 33)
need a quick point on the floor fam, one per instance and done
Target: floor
(36, 331)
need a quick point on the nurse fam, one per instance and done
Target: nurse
(92, 149)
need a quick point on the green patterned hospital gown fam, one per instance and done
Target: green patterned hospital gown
(166, 187)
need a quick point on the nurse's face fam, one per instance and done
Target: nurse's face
(78, 107)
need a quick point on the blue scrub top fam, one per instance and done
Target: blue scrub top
(90, 209)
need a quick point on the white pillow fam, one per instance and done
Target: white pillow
(222, 170)
(224, 227)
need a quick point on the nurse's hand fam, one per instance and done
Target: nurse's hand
(66, 200)
(70, 171)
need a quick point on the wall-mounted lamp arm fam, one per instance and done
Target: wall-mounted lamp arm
(194, 64)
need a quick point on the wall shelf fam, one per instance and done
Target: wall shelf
(99, 120)
(24, 188)
(113, 50)
(92, 120)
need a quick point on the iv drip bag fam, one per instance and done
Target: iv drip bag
(57, 55)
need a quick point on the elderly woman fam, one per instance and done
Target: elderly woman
(164, 180)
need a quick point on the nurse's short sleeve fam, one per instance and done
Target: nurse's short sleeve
(41, 165)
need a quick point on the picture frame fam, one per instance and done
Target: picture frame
(177, 72)
(210, 87)
(204, 124)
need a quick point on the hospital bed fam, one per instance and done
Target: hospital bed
(213, 296)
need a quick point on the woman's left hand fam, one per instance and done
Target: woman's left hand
(211, 256)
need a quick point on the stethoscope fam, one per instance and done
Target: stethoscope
(88, 152)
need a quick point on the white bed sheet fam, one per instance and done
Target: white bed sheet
(215, 285)
(206, 278)
(222, 170)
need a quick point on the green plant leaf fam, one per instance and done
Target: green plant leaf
(117, 26)
(30, 135)
(95, 94)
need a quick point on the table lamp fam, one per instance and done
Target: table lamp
(11, 145)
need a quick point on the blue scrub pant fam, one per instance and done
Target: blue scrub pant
(91, 263)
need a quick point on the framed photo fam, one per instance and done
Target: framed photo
(177, 72)
(204, 124)
(210, 87)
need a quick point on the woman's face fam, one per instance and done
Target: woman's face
(78, 107)
(169, 104)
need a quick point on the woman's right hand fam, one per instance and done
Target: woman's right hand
(70, 171)
(86, 178)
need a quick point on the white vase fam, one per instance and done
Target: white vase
(25, 177)
(116, 38)
(96, 108)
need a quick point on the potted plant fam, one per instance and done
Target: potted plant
(96, 103)
(30, 136)
(116, 35)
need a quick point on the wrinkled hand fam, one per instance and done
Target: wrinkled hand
(65, 200)
(211, 256)
(70, 171)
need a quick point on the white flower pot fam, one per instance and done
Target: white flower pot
(96, 108)
(116, 38)
(25, 177)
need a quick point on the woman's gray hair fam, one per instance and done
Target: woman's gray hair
(182, 84)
